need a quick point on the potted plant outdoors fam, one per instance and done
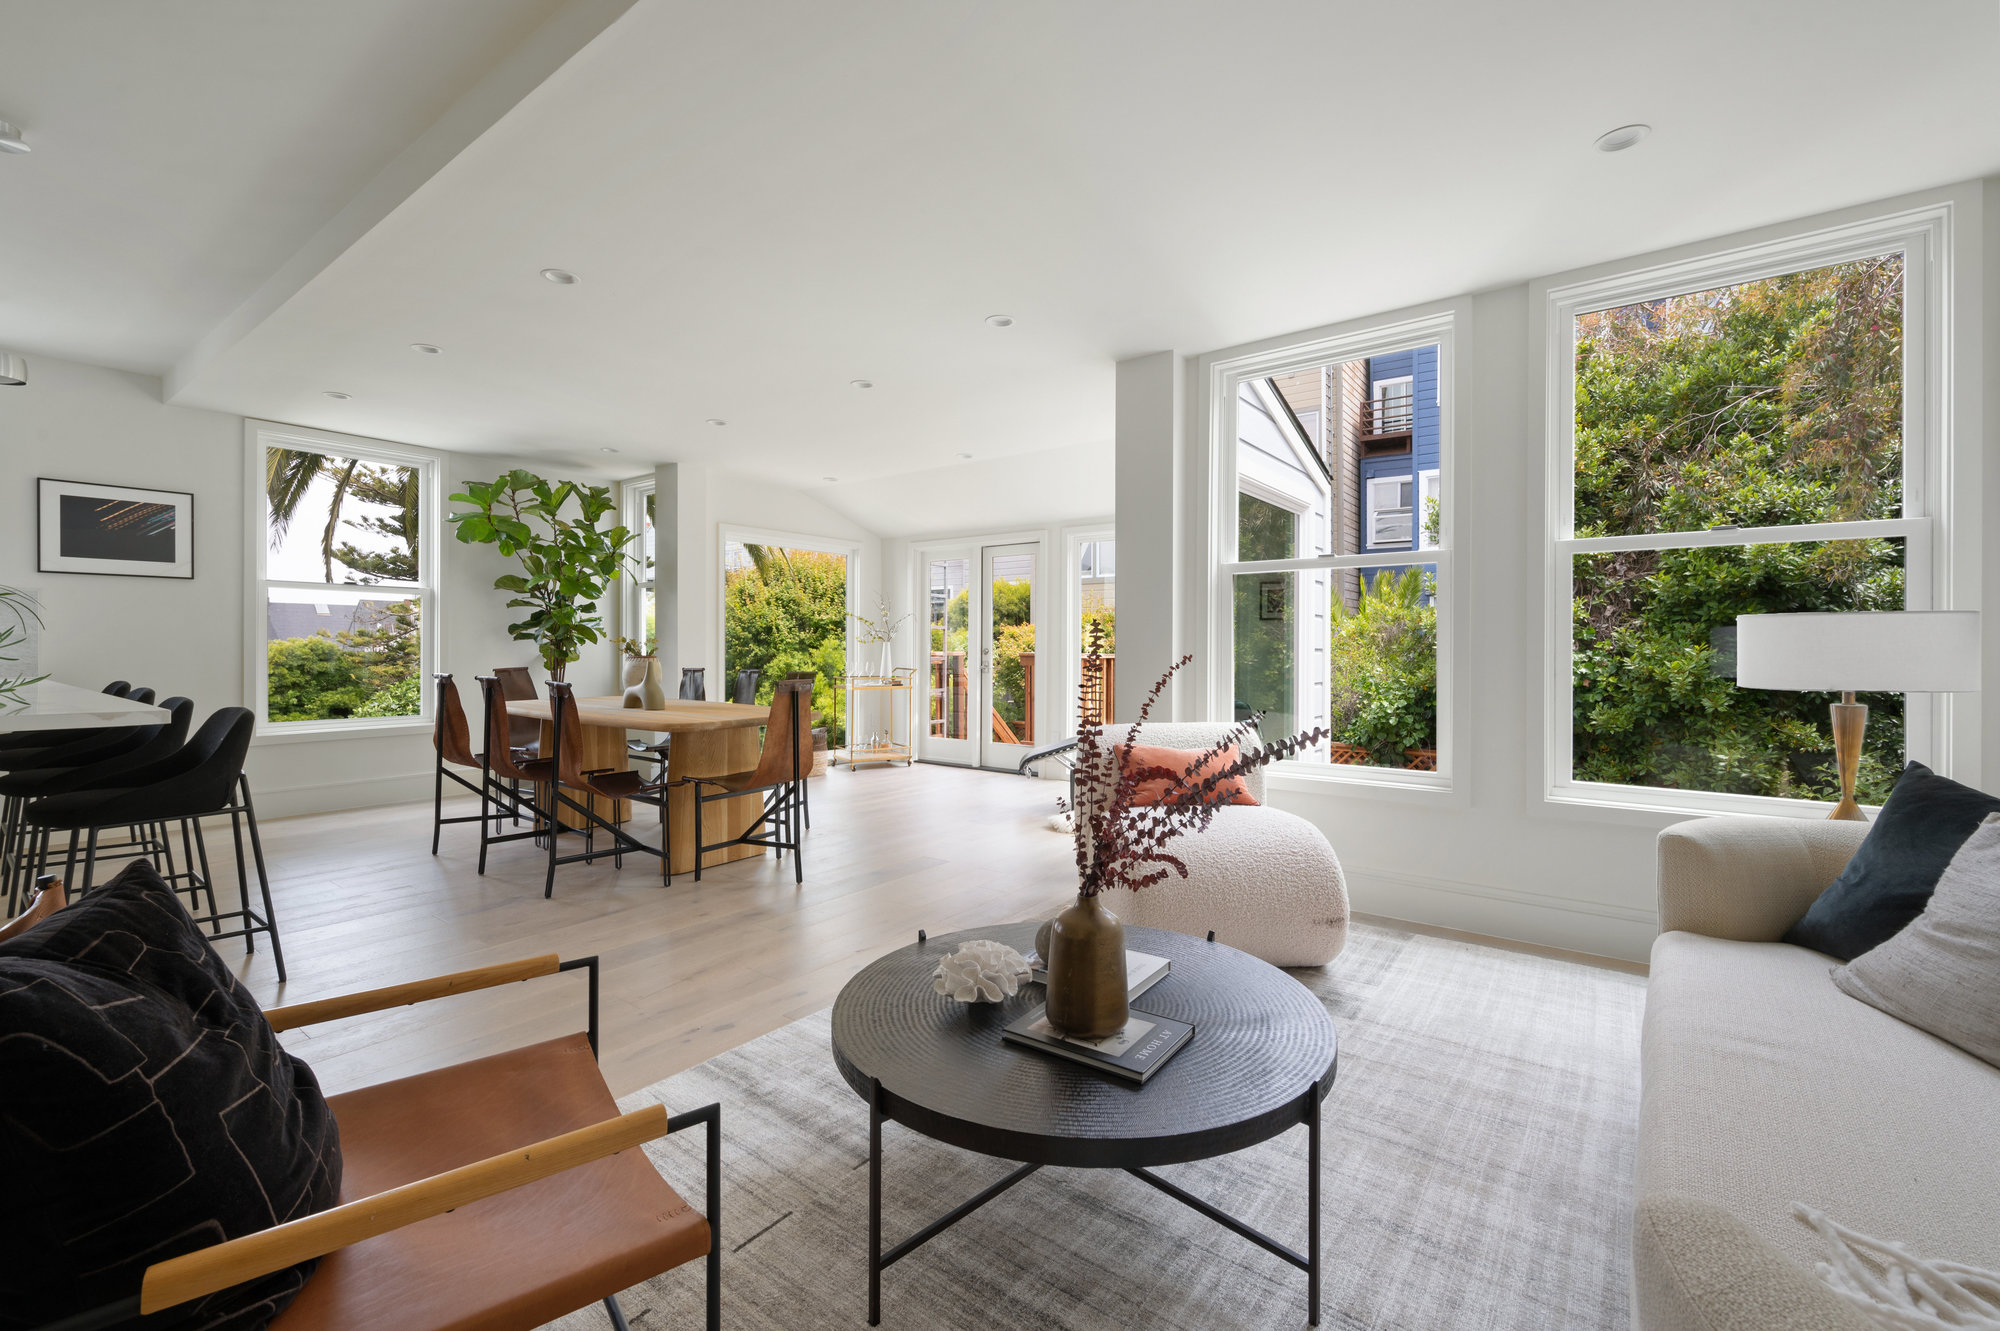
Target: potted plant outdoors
(1123, 843)
(641, 680)
(879, 633)
(567, 563)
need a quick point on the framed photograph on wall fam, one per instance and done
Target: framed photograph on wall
(115, 529)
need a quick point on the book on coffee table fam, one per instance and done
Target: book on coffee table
(1135, 1053)
(1143, 970)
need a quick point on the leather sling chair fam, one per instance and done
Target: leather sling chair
(805, 792)
(779, 777)
(694, 683)
(500, 1193)
(602, 783)
(503, 763)
(451, 738)
(148, 745)
(524, 733)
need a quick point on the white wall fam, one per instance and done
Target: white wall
(710, 498)
(1495, 858)
(82, 422)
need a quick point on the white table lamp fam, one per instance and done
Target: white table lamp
(1895, 651)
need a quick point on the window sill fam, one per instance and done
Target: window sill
(292, 732)
(1657, 806)
(1430, 788)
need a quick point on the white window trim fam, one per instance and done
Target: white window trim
(1924, 236)
(1070, 602)
(1374, 509)
(633, 590)
(1447, 326)
(257, 437)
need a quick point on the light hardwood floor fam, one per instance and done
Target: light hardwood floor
(688, 970)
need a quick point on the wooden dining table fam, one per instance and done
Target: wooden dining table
(710, 739)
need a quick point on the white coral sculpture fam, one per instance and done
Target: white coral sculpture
(981, 971)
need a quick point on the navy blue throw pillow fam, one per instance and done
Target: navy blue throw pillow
(1925, 820)
(146, 1110)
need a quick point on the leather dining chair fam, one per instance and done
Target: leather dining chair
(779, 779)
(694, 685)
(451, 737)
(744, 690)
(603, 784)
(504, 763)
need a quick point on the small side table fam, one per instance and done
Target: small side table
(1261, 1061)
(890, 694)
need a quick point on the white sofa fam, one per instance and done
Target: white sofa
(1763, 1085)
(1264, 880)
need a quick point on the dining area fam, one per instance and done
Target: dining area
(723, 780)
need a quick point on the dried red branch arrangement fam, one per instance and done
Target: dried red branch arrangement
(1122, 844)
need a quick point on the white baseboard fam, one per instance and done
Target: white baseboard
(1599, 928)
(332, 796)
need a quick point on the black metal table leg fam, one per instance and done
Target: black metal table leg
(874, 1195)
(1312, 1206)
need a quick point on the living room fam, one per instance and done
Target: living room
(643, 531)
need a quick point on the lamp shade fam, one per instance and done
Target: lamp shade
(1894, 651)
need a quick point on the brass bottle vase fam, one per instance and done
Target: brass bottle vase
(1086, 960)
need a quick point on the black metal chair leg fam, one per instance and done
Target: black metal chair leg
(806, 799)
(555, 836)
(700, 842)
(798, 841)
(242, 882)
(69, 865)
(437, 805)
(618, 1322)
(263, 882)
(89, 861)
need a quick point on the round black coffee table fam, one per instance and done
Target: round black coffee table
(1261, 1060)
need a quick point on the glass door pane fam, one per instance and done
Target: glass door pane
(953, 690)
(1009, 630)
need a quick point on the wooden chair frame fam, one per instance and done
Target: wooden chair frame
(217, 1267)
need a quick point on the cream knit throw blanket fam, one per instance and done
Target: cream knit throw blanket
(1898, 1289)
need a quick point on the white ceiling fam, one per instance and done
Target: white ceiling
(765, 202)
(183, 151)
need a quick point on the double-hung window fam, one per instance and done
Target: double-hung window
(637, 606)
(343, 562)
(1753, 432)
(1326, 614)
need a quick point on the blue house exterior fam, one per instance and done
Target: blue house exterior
(1397, 466)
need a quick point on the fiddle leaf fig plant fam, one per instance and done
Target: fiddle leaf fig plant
(567, 560)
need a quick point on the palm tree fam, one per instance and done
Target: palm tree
(288, 474)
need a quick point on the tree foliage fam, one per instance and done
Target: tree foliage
(1384, 667)
(1772, 403)
(788, 612)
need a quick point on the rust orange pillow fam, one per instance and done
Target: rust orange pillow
(1155, 791)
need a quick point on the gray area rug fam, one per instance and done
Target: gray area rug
(1477, 1157)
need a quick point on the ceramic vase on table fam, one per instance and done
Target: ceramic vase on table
(642, 683)
(1086, 963)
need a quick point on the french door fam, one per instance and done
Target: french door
(984, 691)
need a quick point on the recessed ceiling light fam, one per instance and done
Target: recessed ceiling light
(607, 450)
(717, 420)
(562, 277)
(830, 479)
(966, 456)
(861, 383)
(11, 140)
(1618, 140)
(336, 395)
(428, 348)
(1000, 320)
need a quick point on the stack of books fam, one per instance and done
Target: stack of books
(1135, 1053)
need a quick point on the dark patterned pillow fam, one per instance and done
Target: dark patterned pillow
(146, 1110)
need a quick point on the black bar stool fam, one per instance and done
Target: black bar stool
(21, 788)
(205, 779)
